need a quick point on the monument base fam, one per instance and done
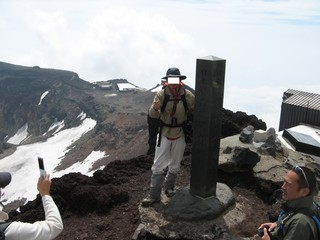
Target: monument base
(185, 216)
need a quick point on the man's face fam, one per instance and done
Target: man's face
(290, 187)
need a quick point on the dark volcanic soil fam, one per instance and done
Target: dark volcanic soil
(105, 206)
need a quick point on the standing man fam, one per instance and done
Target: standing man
(170, 106)
(47, 229)
(294, 221)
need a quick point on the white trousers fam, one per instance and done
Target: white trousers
(169, 154)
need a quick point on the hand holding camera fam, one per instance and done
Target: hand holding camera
(260, 232)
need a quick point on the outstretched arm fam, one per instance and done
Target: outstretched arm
(50, 228)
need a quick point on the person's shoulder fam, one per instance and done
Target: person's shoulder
(302, 218)
(161, 92)
(188, 92)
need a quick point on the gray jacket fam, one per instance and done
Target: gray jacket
(295, 225)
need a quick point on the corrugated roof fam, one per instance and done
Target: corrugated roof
(303, 99)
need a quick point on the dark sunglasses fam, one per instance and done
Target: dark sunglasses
(298, 169)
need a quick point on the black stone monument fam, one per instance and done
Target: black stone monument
(210, 72)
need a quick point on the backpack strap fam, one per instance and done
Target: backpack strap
(167, 98)
(165, 101)
(183, 98)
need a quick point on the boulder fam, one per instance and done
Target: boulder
(246, 135)
(268, 162)
(271, 144)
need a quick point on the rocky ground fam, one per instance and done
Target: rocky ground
(105, 206)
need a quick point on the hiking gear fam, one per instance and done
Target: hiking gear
(170, 192)
(5, 179)
(294, 225)
(169, 184)
(174, 72)
(313, 214)
(3, 227)
(174, 123)
(170, 181)
(155, 190)
(156, 185)
(182, 98)
(169, 155)
(148, 201)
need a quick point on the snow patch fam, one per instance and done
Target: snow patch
(126, 87)
(42, 97)
(82, 116)
(57, 125)
(23, 165)
(20, 135)
(111, 95)
(85, 166)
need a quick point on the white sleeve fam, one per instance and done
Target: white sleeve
(50, 228)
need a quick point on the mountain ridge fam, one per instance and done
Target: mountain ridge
(121, 116)
(121, 131)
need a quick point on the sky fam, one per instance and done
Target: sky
(269, 45)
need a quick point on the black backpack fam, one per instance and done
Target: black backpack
(3, 227)
(167, 98)
(164, 104)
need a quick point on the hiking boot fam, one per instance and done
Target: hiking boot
(148, 201)
(170, 192)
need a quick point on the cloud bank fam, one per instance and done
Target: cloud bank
(269, 46)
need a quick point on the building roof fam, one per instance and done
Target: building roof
(303, 99)
(303, 138)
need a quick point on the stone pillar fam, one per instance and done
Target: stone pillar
(210, 73)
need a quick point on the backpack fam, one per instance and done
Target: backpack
(164, 104)
(3, 227)
(314, 214)
(167, 98)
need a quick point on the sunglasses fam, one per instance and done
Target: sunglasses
(298, 169)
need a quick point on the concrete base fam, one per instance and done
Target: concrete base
(185, 206)
(185, 216)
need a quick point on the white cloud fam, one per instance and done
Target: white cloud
(271, 44)
(51, 27)
(264, 101)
